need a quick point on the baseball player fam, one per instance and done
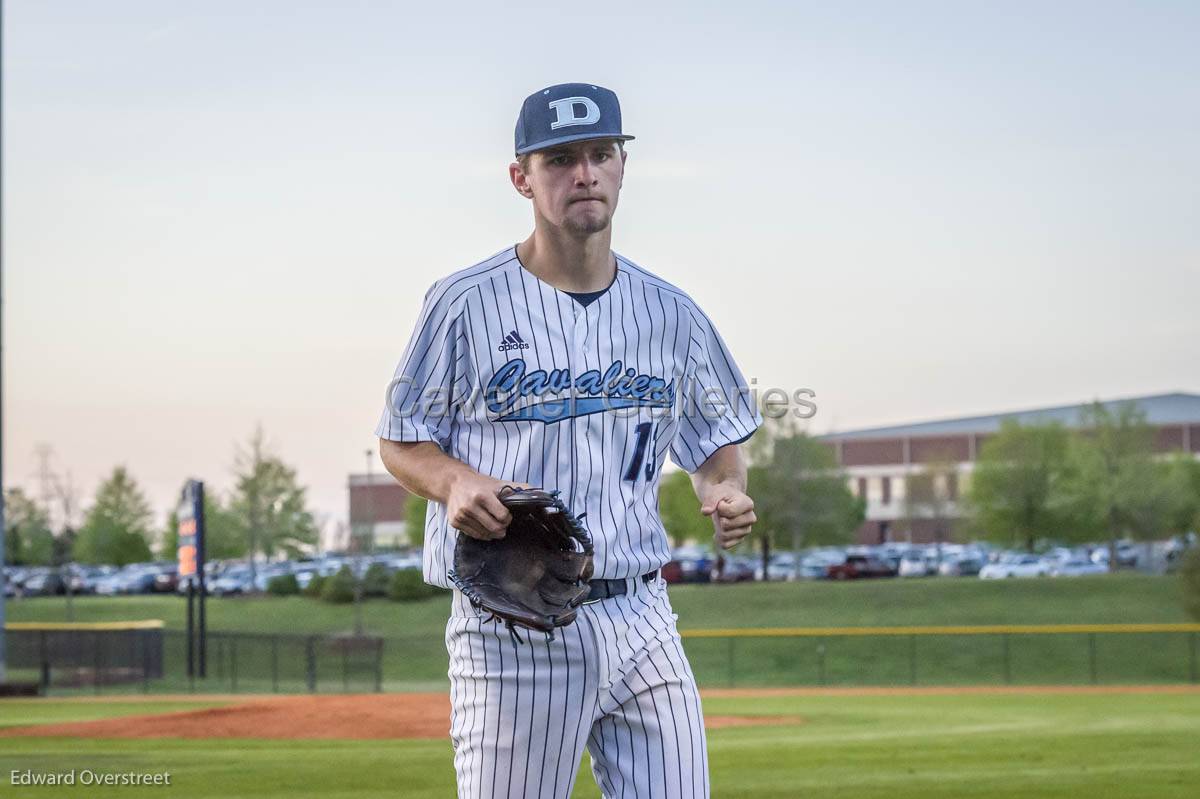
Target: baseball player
(560, 364)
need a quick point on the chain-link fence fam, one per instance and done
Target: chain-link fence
(898, 656)
(155, 660)
(109, 658)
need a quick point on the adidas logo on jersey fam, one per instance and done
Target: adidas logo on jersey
(512, 341)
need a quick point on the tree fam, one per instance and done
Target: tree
(1185, 478)
(268, 506)
(28, 538)
(116, 529)
(415, 508)
(800, 495)
(1020, 489)
(223, 538)
(680, 510)
(1122, 488)
(927, 496)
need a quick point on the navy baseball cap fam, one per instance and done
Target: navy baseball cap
(568, 112)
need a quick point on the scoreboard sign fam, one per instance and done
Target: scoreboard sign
(191, 527)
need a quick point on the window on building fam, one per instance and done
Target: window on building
(952, 486)
(862, 488)
(887, 490)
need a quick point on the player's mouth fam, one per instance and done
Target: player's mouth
(587, 200)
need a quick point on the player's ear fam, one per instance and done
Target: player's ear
(520, 180)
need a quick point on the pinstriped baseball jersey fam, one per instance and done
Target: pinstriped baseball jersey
(523, 382)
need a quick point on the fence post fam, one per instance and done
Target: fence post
(1192, 657)
(310, 658)
(233, 663)
(142, 635)
(346, 668)
(44, 662)
(220, 658)
(732, 642)
(912, 658)
(275, 663)
(1007, 662)
(821, 662)
(1092, 656)
(379, 665)
(97, 659)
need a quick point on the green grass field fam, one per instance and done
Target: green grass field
(893, 747)
(415, 658)
(1106, 599)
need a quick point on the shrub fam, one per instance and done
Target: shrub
(339, 588)
(1189, 577)
(376, 580)
(283, 585)
(409, 586)
(315, 585)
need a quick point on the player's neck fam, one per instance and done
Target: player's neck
(568, 263)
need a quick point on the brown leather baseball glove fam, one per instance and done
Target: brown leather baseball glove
(537, 575)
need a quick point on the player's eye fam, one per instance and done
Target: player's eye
(559, 160)
(603, 155)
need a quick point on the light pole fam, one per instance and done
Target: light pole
(369, 543)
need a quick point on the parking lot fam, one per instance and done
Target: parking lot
(690, 564)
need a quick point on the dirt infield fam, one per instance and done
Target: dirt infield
(353, 716)
(427, 715)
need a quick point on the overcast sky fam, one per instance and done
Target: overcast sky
(225, 213)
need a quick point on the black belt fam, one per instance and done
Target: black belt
(606, 589)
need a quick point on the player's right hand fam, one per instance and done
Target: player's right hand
(475, 507)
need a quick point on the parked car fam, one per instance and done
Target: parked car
(736, 569)
(84, 578)
(1077, 568)
(858, 567)
(1127, 555)
(779, 567)
(138, 581)
(44, 582)
(166, 580)
(913, 564)
(1015, 566)
(672, 572)
(961, 567)
(232, 581)
(695, 564)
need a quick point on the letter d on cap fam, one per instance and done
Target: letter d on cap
(567, 106)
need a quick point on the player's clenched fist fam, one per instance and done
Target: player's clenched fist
(474, 507)
(732, 512)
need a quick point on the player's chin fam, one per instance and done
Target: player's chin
(587, 221)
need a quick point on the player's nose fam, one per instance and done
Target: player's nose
(584, 174)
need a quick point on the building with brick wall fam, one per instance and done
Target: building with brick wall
(881, 462)
(377, 508)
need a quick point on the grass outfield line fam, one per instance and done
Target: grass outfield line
(1028, 744)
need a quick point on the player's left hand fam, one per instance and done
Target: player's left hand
(732, 512)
